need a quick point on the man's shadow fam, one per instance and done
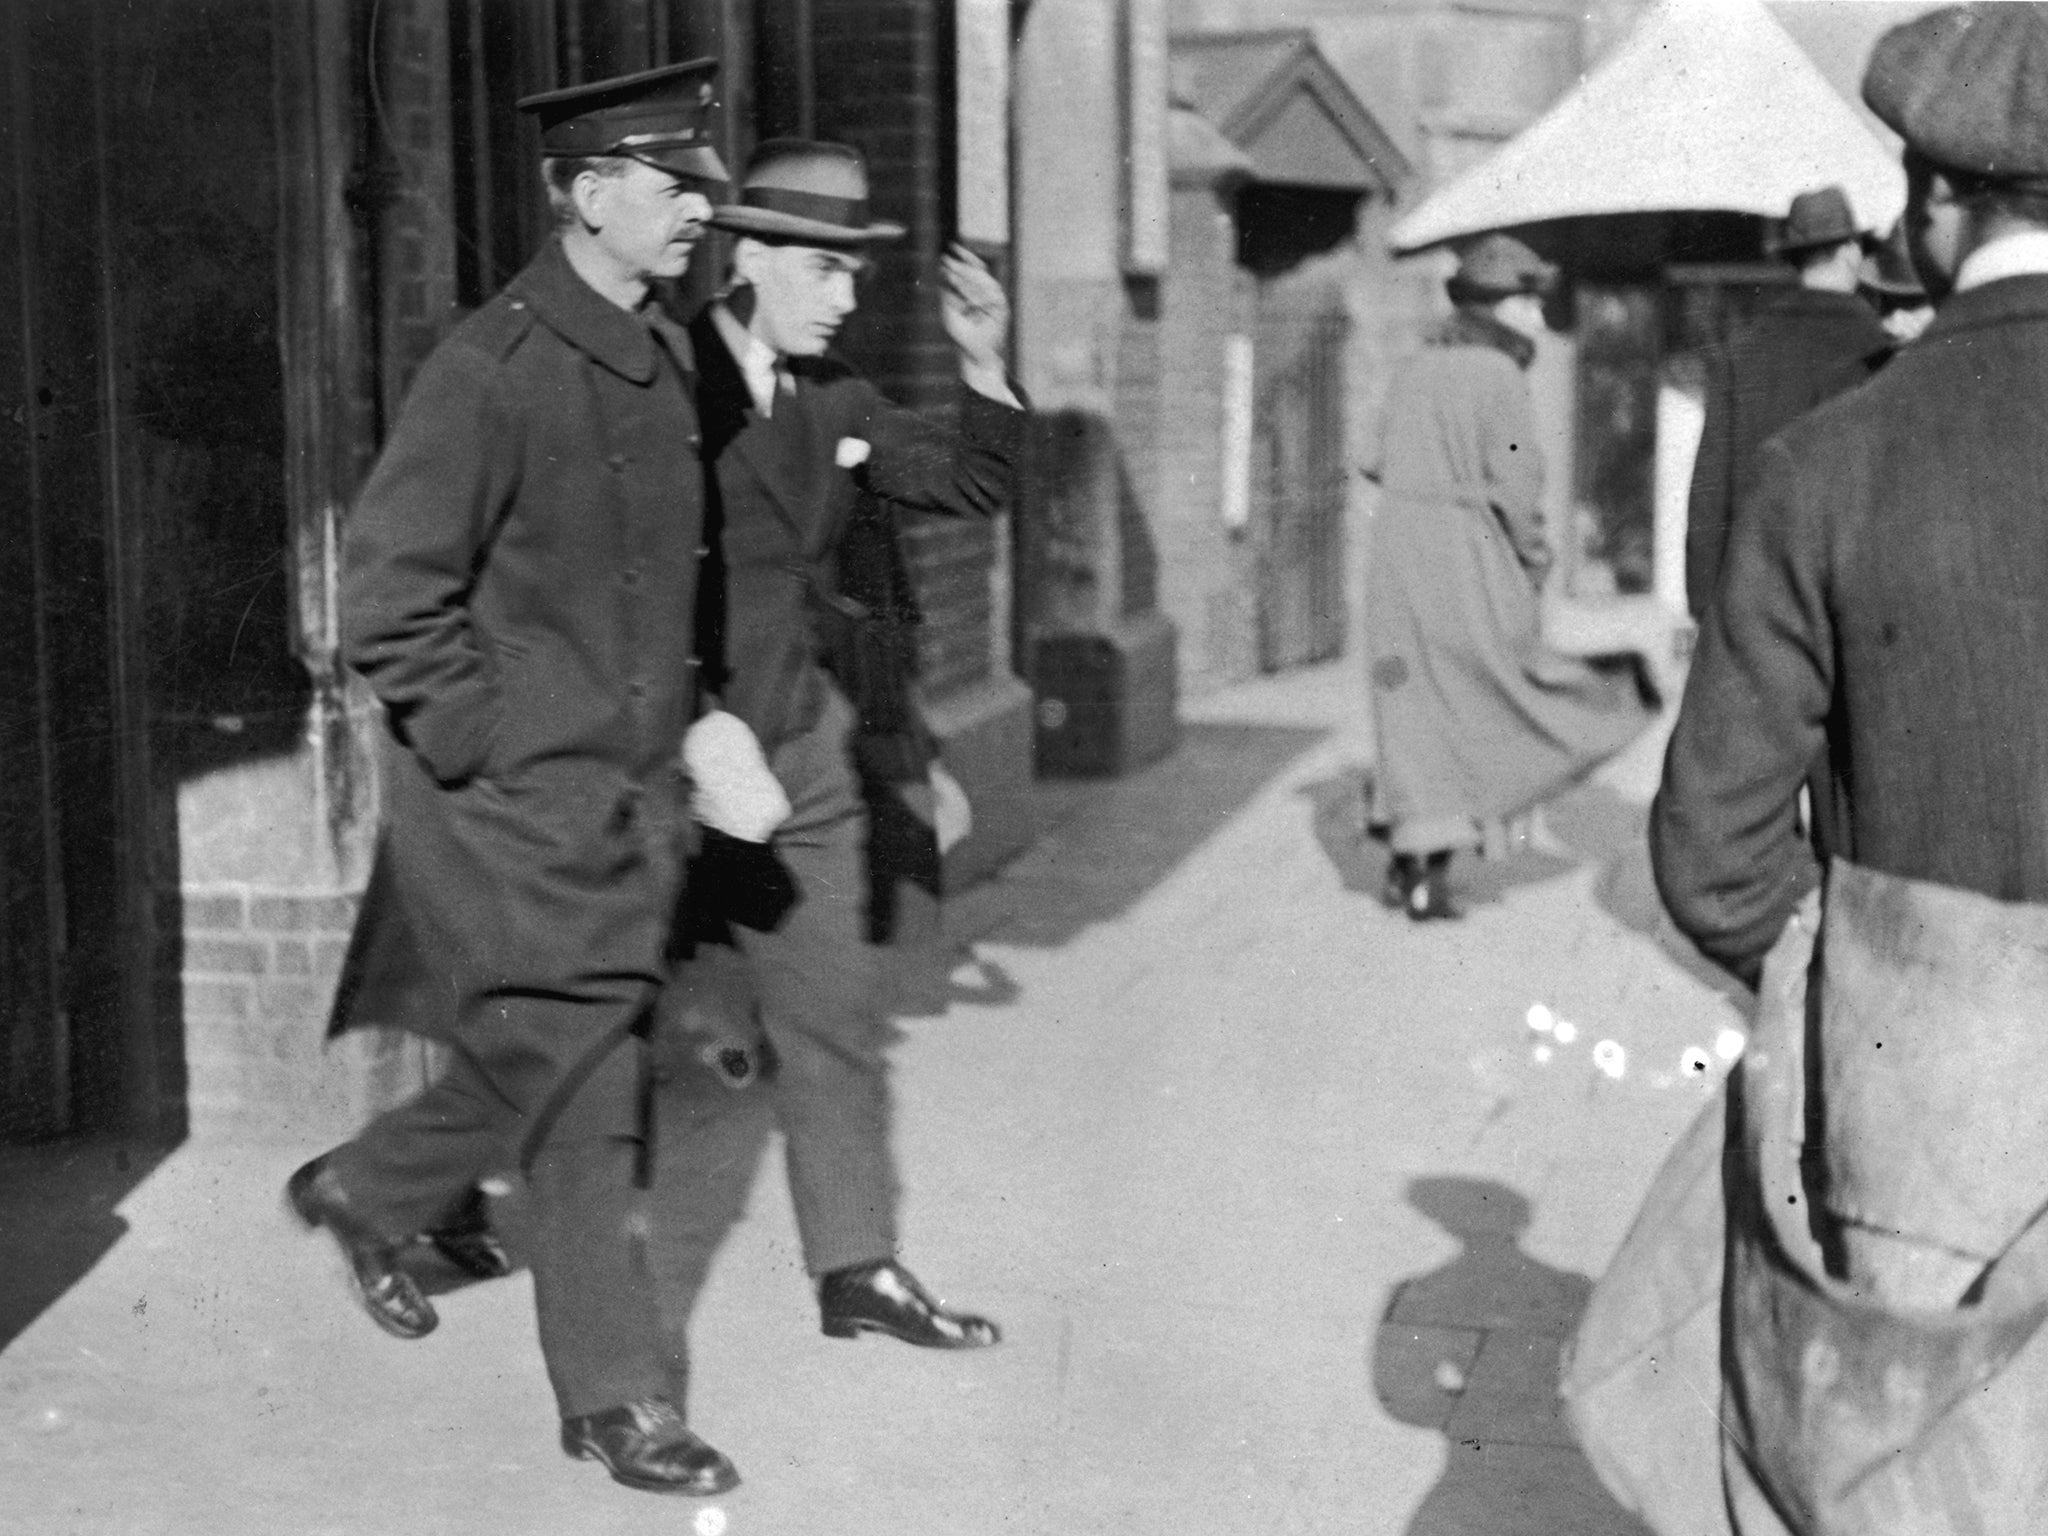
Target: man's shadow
(1474, 1350)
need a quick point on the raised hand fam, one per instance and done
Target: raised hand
(974, 308)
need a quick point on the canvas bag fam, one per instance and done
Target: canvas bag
(1842, 1418)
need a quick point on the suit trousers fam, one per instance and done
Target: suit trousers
(816, 989)
(817, 982)
(584, 1226)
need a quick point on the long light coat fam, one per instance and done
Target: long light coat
(1477, 718)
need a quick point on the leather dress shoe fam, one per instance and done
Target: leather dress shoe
(390, 1295)
(884, 1297)
(467, 1240)
(646, 1445)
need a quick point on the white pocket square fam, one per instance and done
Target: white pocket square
(851, 451)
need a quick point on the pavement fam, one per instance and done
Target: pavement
(1286, 1206)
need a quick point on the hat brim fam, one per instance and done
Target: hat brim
(740, 219)
(1891, 287)
(1464, 290)
(698, 162)
(1780, 246)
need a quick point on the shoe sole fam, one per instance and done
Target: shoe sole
(587, 1452)
(854, 1327)
(295, 1197)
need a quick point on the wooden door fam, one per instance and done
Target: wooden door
(56, 770)
(1299, 451)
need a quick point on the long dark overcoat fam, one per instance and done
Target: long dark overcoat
(1801, 347)
(1886, 598)
(518, 587)
(1477, 718)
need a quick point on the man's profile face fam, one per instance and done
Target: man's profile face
(646, 220)
(802, 293)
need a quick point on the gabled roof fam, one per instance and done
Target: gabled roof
(1708, 106)
(1197, 155)
(1276, 97)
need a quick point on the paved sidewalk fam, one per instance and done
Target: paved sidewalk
(1284, 1205)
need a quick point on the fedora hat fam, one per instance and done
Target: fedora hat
(660, 116)
(1888, 271)
(1817, 218)
(1496, 266)
(807, 191)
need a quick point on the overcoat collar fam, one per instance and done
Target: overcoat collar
(620, 340)
(2007, 301)
(787, 452)
(1791, 299)
(1471, 325)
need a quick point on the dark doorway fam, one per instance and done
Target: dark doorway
(143, 575)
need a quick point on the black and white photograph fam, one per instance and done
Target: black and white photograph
(1023, 768)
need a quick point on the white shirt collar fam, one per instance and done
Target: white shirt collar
(760, 364)
(2024, 253)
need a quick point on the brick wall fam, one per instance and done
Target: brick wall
(1137, 413)
(259, 974)
(883, 70)
(416, 232)
(261, 952)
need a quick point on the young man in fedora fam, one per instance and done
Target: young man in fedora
(792, 436)
(518, 587)
(1795, 351)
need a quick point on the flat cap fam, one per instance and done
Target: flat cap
(1967, 87)
(661, 116)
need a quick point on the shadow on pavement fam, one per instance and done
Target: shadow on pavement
(1590, 825)
(1627, 892)
(57, 1218)
(1473, 1350)
(1103, 844)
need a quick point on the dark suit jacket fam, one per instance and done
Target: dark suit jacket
(1886, 598)
(1801, 347)
(518, 586)
(780, 500)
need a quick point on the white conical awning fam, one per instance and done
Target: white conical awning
(1708, 106)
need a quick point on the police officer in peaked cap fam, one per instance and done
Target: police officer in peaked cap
(518, 585)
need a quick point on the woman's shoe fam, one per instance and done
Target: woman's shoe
(1421, 887)
(1404, 873)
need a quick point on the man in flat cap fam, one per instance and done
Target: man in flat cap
(1796, 350)
(1886, 603)
(518, 587)
(794, 436)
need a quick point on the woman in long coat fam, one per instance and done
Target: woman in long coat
(1478, 719)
